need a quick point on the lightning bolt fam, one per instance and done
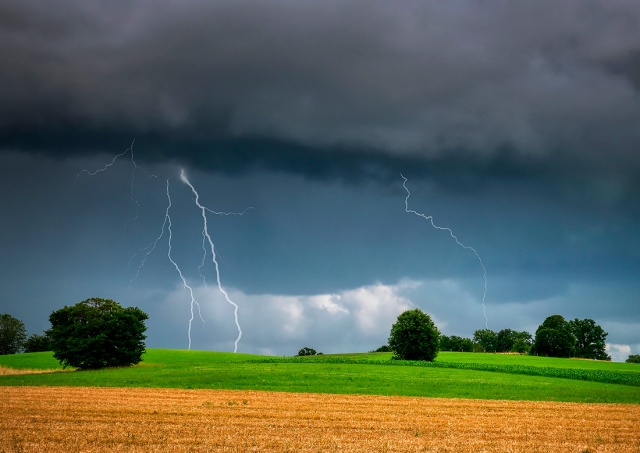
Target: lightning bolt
(205, 234)
(106, 167)
(194, 302)
(133, 176)
(166, 226)
(204, 239)
(430, 219)
(129, 150)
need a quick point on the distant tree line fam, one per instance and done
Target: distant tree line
(506, 340)
(583, 338)
(555, 337)
(99, 332)
(455, 343)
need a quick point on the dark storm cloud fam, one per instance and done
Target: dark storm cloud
(479, 90)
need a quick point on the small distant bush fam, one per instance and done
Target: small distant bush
(633, 358)
(385, 348)
(307, 351)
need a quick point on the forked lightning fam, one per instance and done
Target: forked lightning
(166, 225)
(205, 233)
(430, 219)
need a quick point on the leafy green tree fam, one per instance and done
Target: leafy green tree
(307, 351)
(466, 345)
(590, 339)
(633, 358)
(552, 343)
(12, 334)
(487, 339)
(554, 338)
(456, 343)
(414, 336)
(37, 343)
(505, 340)
(522, 343)
(97, 333)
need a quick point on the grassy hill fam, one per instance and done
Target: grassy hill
(452, 375)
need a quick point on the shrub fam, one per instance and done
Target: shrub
(307, 351)
(414, 336)
(633, 358)
(97, 333)
(385, 348)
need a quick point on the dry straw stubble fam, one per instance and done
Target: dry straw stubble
(112, 419)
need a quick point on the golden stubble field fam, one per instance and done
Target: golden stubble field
(114, 419)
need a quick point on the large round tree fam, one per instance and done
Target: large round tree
(97, 333)
(414, 336)
(554, 338)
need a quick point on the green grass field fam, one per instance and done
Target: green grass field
(452, 375)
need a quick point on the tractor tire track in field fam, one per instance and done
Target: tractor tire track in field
(114, 419)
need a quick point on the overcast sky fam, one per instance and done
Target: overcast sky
(516, 124)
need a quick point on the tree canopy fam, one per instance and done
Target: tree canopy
(522, 343)
(554, 338)
(590, 339)
(583, 338)
(455, 343)
(414, 336)
(383, 348)
(487, 339)
(12, 334)
(37, 343)
(97, 333)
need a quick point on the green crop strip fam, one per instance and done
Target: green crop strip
(603, 376)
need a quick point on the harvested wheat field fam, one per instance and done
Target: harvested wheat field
(114, 419)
